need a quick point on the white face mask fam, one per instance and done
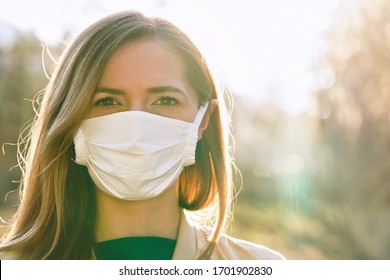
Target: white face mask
(135, 155)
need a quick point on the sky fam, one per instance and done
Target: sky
(260, 49)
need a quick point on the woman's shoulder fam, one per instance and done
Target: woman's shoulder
(237, 249)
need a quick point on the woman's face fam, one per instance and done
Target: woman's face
(148, 76)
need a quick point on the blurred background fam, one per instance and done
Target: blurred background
(311, 119)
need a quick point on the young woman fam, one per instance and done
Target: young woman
(128, 153)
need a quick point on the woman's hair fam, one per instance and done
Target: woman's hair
(56, 216)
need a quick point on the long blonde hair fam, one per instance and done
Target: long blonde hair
(56, 216)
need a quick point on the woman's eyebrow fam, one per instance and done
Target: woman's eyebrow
(109, 90)
(160, 89)
(164, 89)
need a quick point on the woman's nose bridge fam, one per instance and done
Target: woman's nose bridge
(136, 103)
(136, 106)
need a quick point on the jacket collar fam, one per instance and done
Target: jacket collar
(187, 247)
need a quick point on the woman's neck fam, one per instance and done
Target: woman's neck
(158, 216)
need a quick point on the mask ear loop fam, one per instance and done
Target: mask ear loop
(201, 113)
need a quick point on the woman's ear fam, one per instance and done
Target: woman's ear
(213, 103)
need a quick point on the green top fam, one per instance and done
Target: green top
(135, 248)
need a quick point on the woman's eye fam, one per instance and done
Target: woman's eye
(106, 102)
(167, 101)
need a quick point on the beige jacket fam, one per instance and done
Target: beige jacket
(192, 240)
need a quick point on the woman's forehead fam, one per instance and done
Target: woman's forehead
(144, 64)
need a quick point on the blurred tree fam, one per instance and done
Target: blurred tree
(324, 183)
(353, 195)
(22, 76)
